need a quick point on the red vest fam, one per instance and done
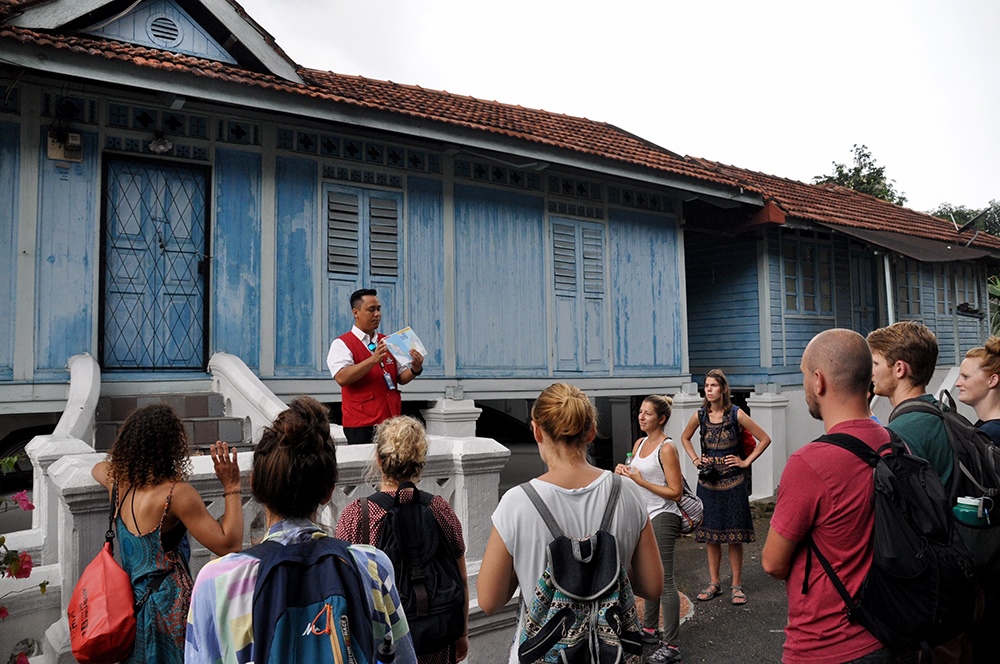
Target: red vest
(368, 400)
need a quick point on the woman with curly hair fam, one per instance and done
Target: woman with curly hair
(399, 459)
(145, 475)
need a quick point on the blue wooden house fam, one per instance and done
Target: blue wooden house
(172, 185)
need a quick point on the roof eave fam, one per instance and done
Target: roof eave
(62, 62)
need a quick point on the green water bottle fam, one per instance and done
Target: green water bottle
(628, 459)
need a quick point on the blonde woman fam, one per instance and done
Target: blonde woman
(400, 455)
(979, 385)
(564, 423)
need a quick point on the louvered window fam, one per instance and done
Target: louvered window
(593, 261)
(564, 257)
(384, 216)
(342, 233)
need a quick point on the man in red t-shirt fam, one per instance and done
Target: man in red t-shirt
(826, 494)
(364, 368)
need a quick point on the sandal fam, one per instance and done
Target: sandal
(711, 591)
(738, 597)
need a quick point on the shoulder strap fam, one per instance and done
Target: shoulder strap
(363, 534)
(915, 406)
(109, 536)
(853, 445)
(550, 520)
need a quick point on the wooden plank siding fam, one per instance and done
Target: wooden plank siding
(425, 297)
(67, 259)
(500, 283)
(235, 232)
(722, 303)
(10, 153)
(645, 264)
(298, 235)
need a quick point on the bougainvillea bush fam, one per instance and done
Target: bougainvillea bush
(13, 563)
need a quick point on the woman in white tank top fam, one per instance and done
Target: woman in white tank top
(656, 470)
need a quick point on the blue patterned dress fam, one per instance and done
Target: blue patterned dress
(727, 502)
(161, 622)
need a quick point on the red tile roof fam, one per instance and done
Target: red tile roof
(822, 203)
(834, 204)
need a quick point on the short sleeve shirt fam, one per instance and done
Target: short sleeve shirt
(927, 438)
(826, 494)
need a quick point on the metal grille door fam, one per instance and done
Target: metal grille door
(155, 268)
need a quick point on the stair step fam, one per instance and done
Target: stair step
(201, 404)
(203, 415)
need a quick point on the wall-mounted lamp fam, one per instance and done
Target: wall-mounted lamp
(160, 145)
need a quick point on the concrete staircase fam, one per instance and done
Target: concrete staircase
(203, 414)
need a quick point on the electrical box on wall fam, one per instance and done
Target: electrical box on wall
(65, 146)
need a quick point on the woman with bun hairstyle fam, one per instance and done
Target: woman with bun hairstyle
(564, 423)
(656, 470)
(146, 473)
(979, 385)
(722, 482)
(400, 455)
(294, 472)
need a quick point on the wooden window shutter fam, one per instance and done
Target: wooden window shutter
(384, 218)
(564, 257)
(342, 233)
(593, 261)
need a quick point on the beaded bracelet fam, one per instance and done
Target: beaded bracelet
(231, 492)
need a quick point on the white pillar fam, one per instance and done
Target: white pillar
(686, 404)
(43, 452)
(455, 417)
(768, 408)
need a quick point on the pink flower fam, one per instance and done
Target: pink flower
(3, 612)
(21, 568)
(21, 498)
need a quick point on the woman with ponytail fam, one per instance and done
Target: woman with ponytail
(294, 472)
(656, 470)
(564, 423)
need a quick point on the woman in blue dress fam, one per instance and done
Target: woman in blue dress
(723, 482)
(145, 474)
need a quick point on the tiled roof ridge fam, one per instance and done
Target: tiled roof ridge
(456, 95)
(238, 8)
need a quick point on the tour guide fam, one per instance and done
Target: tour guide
(364, 368)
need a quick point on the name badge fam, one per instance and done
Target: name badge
(388, 380)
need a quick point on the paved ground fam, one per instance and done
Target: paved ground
(718, 632)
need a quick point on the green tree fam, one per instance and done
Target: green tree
(989, 221)
(864, 176)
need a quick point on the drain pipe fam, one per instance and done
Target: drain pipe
(890, 305)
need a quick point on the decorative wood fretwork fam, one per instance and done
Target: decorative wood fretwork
(640, 200)
(498, 174)
(359, 150)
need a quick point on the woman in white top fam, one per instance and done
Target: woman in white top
(656, 469)
(564, 422)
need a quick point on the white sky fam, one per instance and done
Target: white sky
(784, 88)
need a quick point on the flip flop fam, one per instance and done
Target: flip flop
(711, 591)
(737, 596)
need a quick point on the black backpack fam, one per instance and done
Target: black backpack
(430, 585)
(920, 590)
(977, 459)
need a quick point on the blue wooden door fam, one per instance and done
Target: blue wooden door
(864, 292)
(155, 267)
